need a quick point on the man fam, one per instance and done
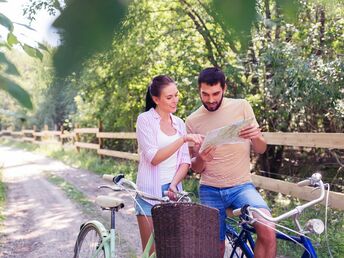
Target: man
(225, 169)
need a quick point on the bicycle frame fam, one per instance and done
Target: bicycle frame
(245, 241)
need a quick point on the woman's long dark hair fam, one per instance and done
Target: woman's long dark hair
(158, 83)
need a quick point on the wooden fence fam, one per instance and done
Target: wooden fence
(317, 140)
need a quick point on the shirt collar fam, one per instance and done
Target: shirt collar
(157, 116)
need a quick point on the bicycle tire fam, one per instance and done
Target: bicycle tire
(88, 241)
(234, 247)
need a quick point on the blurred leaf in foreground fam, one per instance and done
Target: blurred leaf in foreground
(16, 91)
(86, 27)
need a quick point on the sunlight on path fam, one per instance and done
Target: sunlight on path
(40, 222)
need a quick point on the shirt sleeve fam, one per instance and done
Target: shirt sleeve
(146, 138)
(188, 126)
(248, 112)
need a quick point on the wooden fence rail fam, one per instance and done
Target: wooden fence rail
(316, 140)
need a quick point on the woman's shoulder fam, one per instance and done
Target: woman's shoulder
(144, 116)
(178, 120)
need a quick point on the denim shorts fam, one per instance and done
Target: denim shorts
(142, 207)
(230, 197)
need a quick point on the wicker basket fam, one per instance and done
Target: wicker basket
(186, 230)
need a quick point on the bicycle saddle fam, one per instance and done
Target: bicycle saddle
(109, 202)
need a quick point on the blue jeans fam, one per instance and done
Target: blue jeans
(230, 197)
(142, 207)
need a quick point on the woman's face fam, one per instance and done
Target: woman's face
(168, 99)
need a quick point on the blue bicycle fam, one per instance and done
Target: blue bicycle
(242, 241)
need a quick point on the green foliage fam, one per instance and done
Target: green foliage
(238, 16)
(290, 65)
(83, 35)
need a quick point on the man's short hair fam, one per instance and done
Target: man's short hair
(212, 76)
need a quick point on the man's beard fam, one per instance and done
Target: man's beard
(215, 108)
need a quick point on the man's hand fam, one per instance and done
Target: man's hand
(208, 153)
(254, 134)
(250, 132)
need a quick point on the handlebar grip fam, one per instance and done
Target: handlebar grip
(304, 182)
(112, 178)
(117, 178)
(108, 177)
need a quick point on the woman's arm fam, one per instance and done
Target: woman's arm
(179, 176)
(166, 152)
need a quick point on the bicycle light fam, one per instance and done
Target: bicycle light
(315, 226)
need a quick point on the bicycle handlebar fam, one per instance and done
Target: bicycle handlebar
(315, 180)
(127, 185)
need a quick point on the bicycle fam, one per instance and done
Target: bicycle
(242, 241)
(94, 240)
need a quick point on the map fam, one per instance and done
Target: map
(228, 134)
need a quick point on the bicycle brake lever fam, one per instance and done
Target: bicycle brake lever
(109, 187)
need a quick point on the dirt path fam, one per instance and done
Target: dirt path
(40, 220)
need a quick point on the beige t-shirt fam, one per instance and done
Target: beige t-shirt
(231, 163)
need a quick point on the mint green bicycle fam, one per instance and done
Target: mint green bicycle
(94, 240)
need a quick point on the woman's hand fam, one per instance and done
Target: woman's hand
(197, 139)
(171, 193)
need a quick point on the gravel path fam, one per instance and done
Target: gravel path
(40, 220)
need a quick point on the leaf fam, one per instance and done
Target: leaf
(238, 16)
(57, 5)
(84, 35)
(4, 21)
(12, 39)
(10, 67)
(290, 9)
(24, 25)
(33, 52)
(16, 92)
(42, 47)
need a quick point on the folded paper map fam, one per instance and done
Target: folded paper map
(228, 134)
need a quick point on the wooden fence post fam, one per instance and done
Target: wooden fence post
(77, 137)
(100, 140)
(61, 136)
(34, 128)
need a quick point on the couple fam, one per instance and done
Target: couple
(225, 170)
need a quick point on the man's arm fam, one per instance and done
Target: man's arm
(254, 134)
(259, 145)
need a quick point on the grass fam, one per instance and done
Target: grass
(71, 192)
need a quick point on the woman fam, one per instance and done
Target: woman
(163, 149)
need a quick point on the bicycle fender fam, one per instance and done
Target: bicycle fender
(99, 225)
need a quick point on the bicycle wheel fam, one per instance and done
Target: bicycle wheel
(88, 243)
(236, 246)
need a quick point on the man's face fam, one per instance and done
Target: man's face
(211, 96)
